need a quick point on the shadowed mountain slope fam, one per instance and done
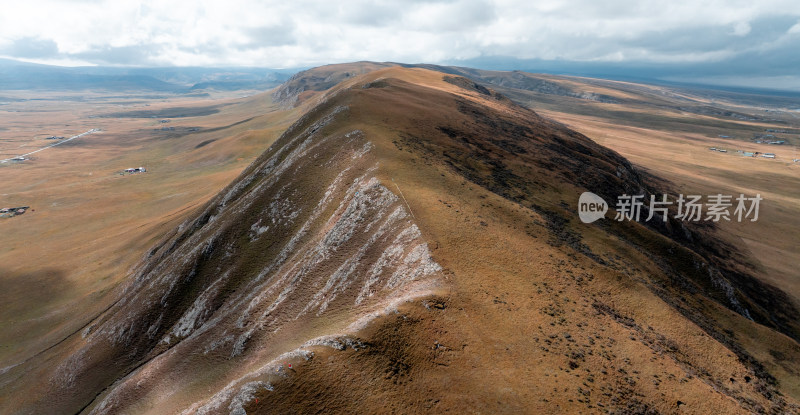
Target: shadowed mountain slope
(411, 245)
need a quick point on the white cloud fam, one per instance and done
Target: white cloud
(741, 29)
(305, 32)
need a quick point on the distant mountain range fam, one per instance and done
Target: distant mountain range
(16, 75)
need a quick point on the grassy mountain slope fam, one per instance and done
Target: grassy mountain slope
(411, 245)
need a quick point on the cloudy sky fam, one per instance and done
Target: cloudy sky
(758, 41)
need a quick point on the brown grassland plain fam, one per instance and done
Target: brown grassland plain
(87, 223)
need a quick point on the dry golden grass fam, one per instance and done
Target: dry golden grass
(528, 327)
(526, 319)
(88, 224)
(684, 160)
(771, 243)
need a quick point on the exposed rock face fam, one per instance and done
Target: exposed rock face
(307, 233)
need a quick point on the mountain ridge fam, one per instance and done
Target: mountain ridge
(505, 288)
